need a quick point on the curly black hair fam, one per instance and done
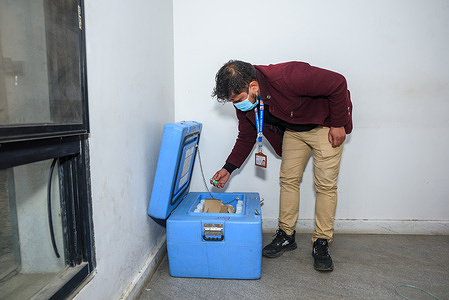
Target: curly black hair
(233, 77)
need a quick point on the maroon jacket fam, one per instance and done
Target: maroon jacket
(296, 93)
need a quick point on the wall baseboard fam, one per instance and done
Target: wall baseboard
(146, 272)
(370, 226)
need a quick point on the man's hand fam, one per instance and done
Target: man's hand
(337, 136)
(220, 178)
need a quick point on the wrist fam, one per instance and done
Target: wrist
(229, 167)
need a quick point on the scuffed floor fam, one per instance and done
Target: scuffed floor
(366, 267)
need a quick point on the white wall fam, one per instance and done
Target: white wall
(131, 90)
(395, 165)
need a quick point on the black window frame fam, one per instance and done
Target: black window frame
(68, 143)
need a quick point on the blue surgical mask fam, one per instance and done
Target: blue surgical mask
(246, 105)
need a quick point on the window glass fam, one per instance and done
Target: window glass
(46, 243)
(29, 250)
(40, 63)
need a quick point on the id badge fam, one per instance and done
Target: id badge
(261, 160)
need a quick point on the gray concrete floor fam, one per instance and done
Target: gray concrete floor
(366, 267)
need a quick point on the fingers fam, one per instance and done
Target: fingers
(336, 141)
(220, 178)
(337, 136)
(339, 141)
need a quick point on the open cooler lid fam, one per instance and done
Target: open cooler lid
(174, 167)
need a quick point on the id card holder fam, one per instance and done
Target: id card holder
(261, 160)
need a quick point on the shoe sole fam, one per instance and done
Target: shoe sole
(274, 255)
(323, 269)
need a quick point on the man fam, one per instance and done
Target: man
(302, 110)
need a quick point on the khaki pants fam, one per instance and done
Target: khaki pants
(296, 150)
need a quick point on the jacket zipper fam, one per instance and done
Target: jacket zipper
(295, 108)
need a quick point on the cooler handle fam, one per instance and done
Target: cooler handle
(213, 232)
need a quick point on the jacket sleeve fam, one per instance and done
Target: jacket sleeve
(305, 80)
(245, 140)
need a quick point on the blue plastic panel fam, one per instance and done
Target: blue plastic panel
(238, 252)
(174, 167)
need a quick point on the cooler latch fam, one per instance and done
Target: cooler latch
(213, 232)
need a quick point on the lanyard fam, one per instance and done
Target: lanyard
(259, 123)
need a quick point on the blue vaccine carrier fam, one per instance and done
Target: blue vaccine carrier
(202, 244)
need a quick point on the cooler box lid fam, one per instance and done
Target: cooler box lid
(174, 167)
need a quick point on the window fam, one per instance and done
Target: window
(46, 240)
(42, 74)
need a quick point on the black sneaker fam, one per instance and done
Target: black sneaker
(320, 253)
(282, 242)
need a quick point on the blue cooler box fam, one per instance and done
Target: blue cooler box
(202, 244)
